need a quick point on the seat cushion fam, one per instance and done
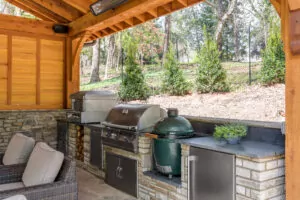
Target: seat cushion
(17, 197)
(18, 149)
(43, 165)
(11, 186)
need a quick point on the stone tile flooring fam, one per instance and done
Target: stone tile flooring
(93, 188)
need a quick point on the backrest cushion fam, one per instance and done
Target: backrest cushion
(18, 149)
(43, 165)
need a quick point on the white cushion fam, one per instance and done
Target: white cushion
(11, 186)
(18, 149)
(43, 165)
(17, 197)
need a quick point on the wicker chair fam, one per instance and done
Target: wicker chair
(64, 187)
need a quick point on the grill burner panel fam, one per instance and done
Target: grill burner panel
(124, 139)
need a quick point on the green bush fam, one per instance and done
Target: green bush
(211, 77)
(174, 82)
(230, 131)
(133, 86)
(273, 69)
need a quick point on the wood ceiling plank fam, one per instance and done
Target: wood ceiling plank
(38, 11)
(60, 8)
(25, 25)
(125, 11)
(82, 5)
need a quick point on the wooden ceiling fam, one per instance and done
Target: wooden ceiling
(76, 14)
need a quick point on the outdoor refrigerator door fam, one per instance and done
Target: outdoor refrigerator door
(212, 175)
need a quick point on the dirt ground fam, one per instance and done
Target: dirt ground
(250, 103)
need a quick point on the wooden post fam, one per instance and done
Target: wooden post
(292, 108)
(74, 46)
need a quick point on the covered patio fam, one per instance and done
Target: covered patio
(39, 70)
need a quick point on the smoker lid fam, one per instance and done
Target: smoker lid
(134, 116)
(94, 95)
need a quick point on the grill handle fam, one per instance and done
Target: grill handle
(119, 126)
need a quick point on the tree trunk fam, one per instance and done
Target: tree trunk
(4, 7)
(96, 62)
(223, 17)
(236, 38)
(168, 26)
(110, 60)
(119, 51)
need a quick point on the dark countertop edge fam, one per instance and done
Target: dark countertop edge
(265, 124)
(229, 151)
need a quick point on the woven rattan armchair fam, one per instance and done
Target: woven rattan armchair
(64, 187)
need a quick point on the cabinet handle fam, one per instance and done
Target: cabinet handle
(120, 170)
(117, 172)
(192, 158)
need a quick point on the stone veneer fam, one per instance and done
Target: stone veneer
(256, 179)
(87, 145)
(41, 125)
(260, 179)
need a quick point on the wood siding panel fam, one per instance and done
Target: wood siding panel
(52, 73)
(3, 68)
(23, 70)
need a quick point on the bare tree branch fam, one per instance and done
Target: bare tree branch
(211, 4)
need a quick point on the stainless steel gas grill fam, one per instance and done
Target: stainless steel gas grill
(125, 122)
(91, 106)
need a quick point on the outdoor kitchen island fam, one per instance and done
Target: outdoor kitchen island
(256, 166)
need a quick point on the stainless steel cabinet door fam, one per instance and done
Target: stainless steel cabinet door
(212, 175)
(121, 173)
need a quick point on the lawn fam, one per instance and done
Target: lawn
(237, 74)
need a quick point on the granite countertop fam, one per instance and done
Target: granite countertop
(252, 149)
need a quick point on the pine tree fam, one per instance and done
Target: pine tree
(133, 87)
(211, 77)
(273, 69)
(174, 82)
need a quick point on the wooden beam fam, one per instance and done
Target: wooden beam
(60, 8)
(76, 52)
(153, 12)
(167, 7)
(125, 11)
(183, 2)
(141, 17)
(292, 104)
(25, 25)
(129, 21)
(82, 5)
(276, 5)
(294, 4)
(38, 11)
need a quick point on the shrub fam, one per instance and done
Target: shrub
(273, 69)
(133, 86)
(174, 82)
(211, 77)
(230, 131)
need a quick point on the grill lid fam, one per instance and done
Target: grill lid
(94, 95)
(137, 117)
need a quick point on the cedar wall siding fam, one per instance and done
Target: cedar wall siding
(31, 72)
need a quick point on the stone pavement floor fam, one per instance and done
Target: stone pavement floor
(93, 188)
